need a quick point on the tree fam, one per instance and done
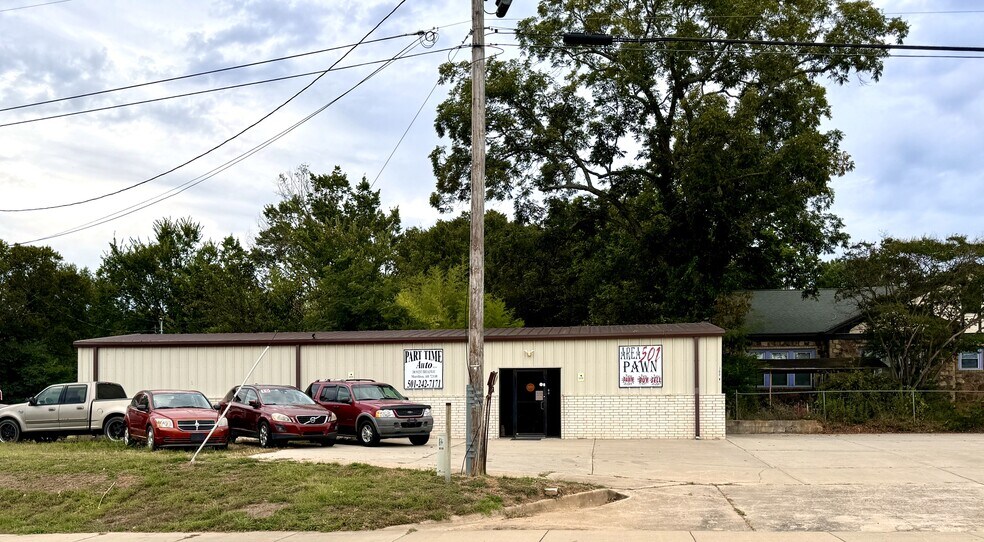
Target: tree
(327, 254)
(43, 310)
(438, 299)
(180, 282)
(919, 299)
(708, 162)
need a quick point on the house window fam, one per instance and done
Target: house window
(787, 380)
(799, 353)
(971, 361)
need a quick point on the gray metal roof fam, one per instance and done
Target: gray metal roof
(404, 336)
(787, 312)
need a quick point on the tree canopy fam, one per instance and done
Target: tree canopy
(44, 306)
(327, 254)
(919, 299)
(706, 164)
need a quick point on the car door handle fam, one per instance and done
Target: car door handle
(51, 409)
(79, 408)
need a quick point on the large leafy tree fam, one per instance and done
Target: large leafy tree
(921, 301)
(327, 254)
(705, 163)
(181, 282)
(43, 309)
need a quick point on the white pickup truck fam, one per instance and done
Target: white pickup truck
(82, 408)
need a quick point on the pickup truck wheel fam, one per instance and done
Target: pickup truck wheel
(263, 433)
(114, 429)
(367, 434)
(9, 431)
(419, 440)
(151, 445)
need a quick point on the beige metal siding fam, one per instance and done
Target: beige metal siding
(213, 371)
(598, 361)
(382, 362)
(85, 365)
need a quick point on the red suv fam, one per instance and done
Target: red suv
(277, 413)
(372, 410)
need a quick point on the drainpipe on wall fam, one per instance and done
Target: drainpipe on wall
(697, 388)
(297, 367)
(95, 364)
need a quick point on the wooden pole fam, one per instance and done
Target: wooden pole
(476, 260)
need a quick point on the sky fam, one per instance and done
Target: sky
(916, 136)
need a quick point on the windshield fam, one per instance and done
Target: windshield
(371, 392)
(180, 400)
(284, 396)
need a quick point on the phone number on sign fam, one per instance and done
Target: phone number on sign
(423, 384)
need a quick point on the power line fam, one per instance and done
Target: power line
(200, 74)
(217, 89)
(241, 132)
(35, 5)
(579, 38)
(215, 171)
(417, 114)
(709, 51)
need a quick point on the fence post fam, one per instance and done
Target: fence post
(823, 399)
(737, 416)
(913, 406)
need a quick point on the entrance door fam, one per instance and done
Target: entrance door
(524, 413)
(531, 402)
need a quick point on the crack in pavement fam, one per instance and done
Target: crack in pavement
(735, 508)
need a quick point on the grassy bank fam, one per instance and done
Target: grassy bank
(92, 485)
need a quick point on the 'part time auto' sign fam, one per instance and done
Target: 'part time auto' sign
(423, 369)
(640, 366)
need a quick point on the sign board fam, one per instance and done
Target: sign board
(423, 369)
(640, 366)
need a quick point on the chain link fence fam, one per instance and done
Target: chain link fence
(922, 409)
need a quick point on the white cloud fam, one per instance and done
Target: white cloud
(915, 136)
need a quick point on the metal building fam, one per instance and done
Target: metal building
(638, 381)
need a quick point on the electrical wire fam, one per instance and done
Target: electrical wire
(200, 74)
(35, 5)
(215, 171)
(629, 46)
(422, 105)
(206, 91)
(241, 132)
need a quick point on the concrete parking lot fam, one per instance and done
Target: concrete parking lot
(831, 483)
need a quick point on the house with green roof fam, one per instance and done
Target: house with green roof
(801, 339)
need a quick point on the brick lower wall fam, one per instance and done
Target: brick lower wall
(607, 417)
(656, 416)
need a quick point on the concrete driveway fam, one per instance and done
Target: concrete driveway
(847, 483)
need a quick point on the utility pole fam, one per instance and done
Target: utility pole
(475, 449)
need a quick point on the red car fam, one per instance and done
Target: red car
(173, 418)
(273, 413)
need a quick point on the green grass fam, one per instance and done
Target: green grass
(93, 485)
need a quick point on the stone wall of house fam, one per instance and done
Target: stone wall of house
(845, 348)
(952, 377)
